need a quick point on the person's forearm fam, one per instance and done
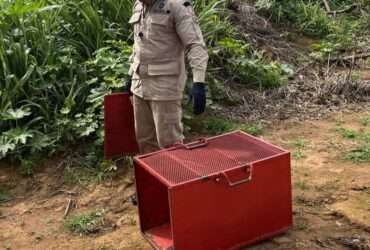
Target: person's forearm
(198, 58)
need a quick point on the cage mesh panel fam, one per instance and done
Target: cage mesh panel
(243, 149)
(170, 169)
(222, 153)
(204, 161)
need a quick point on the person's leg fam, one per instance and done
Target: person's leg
(167, 119)
(144, 126)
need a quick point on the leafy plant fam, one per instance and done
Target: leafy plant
(216, 126)
(353, 134)
(299, 145)
(298, 154)
(359, 155)
(248, 66)
(255, 130)
(365, 121)
(87, 223)
(347, 133)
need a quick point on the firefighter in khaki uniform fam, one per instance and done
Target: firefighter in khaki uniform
(164, 32)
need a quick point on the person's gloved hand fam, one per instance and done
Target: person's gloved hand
(127, 88)
(198, 93)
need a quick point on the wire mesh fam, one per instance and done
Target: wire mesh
(221, 153)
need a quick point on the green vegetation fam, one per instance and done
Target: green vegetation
(298, 155)
(87, 223)
(303, 185)
(347, 133)
(216, 126)
(365, 121)
(359, 155)
(248, 66)
(299, 143)
(299, 146)
(359, 135)
(338, 32)
(252, 129)
(87, 168)
(4, 196)
(82, 175)
(219, 125)
(301, 223)
(59, 58)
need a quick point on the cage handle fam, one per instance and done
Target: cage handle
(248, 170)
(202, 142)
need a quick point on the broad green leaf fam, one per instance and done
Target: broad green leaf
(5, 146)
(17, 114)
(18, 135)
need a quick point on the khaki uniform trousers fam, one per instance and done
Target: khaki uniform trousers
(158, 124)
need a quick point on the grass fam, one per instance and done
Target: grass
(298, 155)
(301, 224)
(299, 145)
(215, 126)
(4, 196)
(365, 121)
(84, 175)
(347, 133)
(302, 185)
(87, 223)
(354, 134)
(359, 155)
(252, 129)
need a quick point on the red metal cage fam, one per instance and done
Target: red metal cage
(222, 193)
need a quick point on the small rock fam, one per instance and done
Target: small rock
(282, 240)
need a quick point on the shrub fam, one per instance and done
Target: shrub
(248, 66)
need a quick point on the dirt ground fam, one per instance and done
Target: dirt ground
(331, 197)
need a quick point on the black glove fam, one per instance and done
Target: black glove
(127, 88)
(198, 93)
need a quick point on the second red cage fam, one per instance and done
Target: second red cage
(222, 193)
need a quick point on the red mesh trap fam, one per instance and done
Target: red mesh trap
(119, 126)
(222, 193)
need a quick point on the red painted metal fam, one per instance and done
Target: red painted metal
(222, 193)
(119, 126)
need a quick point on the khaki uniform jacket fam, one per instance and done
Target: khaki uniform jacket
(163, 34)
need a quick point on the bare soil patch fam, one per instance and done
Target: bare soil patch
(331, 198)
